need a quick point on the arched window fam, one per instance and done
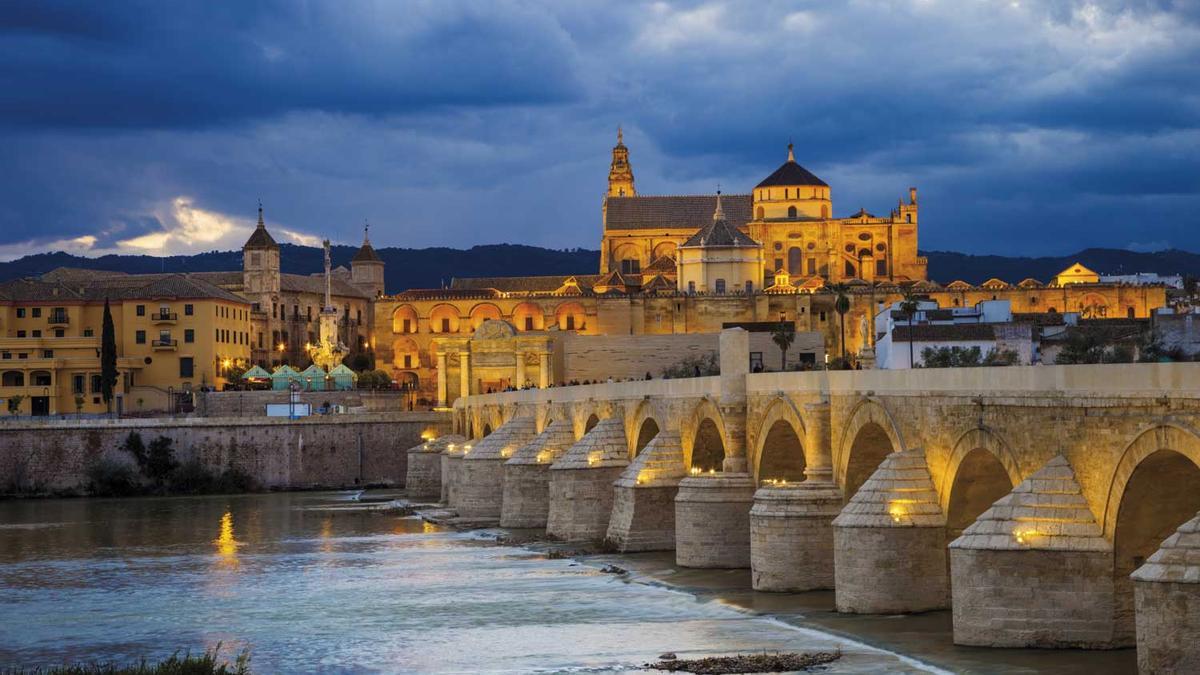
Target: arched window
(794, 257)
(720, 287)
(908, 217)
(1131, 313)
(791, 212)
(759, 213)
(750, 287)
(824, 211)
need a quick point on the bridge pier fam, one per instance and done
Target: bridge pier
(1167, 596)
(481, 479)
(581, 483)
(712, 521)
(890, 542)
(643, 513)
(1034, 570)
(526, 501)
(452, 458)
(423, 477)
(791, 536)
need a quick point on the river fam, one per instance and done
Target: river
(320, 582)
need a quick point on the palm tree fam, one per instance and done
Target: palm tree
(909, 306)
(842, 305)
(784, 335)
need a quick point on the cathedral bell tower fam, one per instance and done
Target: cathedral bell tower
(620, 174)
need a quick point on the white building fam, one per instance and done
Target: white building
(988, 326)
(1144, 279)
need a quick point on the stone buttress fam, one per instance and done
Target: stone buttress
(1167, 597)
(581, 483)
(526, 500)
(712, 520)
(423, 477)
(452, 458)
(890, 542)
(481, 484)
(791, 535)
(643, 513)
(1034, 570)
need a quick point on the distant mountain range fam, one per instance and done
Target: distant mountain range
(431, 267)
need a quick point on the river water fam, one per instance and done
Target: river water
(321, 582)
(316, 582)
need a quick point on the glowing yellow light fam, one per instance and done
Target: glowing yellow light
(1025, 535)
(226, 544)
(282, 347)
(711, 471)
(227, 364)
(429, 434)
(897, 511)
(695, 471)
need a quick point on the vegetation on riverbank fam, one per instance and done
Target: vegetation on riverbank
(747, 663)
(210, 663)
(156, 471)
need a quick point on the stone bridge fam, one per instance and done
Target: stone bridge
(1022, 497)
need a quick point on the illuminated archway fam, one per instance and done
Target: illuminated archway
(646, 433)
(528, 316)
(406, 353)
(482, 312)
(444, 319)
(404, 320)
(570, 316)
(980, 481)
(781, 455)
(708, 447)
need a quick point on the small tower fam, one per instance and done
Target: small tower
(366, 268)
(260, 264)
(620, 174)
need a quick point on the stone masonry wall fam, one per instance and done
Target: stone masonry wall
(254, 403)
(334, 451)
(598, 357)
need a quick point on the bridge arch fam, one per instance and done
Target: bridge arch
(982, 469)
(703, 437)
(1153, 492)
(869, 435)
(642, 424)
(779, 448)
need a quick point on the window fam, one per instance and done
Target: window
(217, 334)
(274, 310)
(358, 316)
(1130, 313)
(445, 325)
(295, 311)
(96, 385)
(37, 312)
(570, 322)
(20, 312)
(749, 287)
(37, 333)
(141, 310)
(41, 379)
(21, 333)
(186, 366)
(778, 264)
(822, 317)
(908, 218)
(189, 335)
(881, 268)
(47, 353)
(529, 323)
(812, 266)
(88, 332)
(189, 310)
(164, 337)
(631, 266)
(140, 337)
(6, 355)
(720, 286)
(794, 255)
(255, 259)
(408, 360)
(310, 312)
(58, 332)
(691, 287)
(77, 384)
(407, 326)
(260, 340)
(791, 212)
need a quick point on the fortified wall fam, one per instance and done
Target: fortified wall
(333, 451)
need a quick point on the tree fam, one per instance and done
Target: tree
(783, 336)
(841, 304)
(108, 357)
(909, 307)
(14, 404)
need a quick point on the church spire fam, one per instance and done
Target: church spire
(261, 226)
(620, 173)
(791, 152)
(719, 214)
(366, 233)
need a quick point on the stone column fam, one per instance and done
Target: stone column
(464, 373)
(1167, 593)
(643, 513)
(423, 478)
(480, 488)
(791, 536)
(818, 443)
(735, 366)
(889, 542)
(712, 521)
(581, 483)
(441, 372)
(526, 499)
(520, 375)
(544, 370)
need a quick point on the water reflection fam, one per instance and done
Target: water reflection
(227, 546)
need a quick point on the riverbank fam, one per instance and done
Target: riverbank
(925, 639)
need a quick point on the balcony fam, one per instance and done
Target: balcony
(164, 345)
(58, 319)
(164, 317)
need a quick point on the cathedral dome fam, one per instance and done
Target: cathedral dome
(791, 174)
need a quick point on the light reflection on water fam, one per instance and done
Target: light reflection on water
(337, 590)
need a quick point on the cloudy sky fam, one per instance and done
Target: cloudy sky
(1029, 126)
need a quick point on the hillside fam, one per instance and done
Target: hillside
(430, 267)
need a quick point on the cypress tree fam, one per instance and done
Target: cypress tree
(108, 357)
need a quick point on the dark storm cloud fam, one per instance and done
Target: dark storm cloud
(1028, 126)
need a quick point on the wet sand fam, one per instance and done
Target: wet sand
(925, 637)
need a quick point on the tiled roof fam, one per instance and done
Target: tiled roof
(791, 173)
(261, 239)
(88, 285)
(688, 212)
(433, 293)
(366, 254)
(662, 265)
(963, 332)
(547, 284)
(720, 233)
(315, 283)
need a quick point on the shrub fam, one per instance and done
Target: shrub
(209, 664)
(110, 478)
(193, 478)
(160, 459)
(694, 365)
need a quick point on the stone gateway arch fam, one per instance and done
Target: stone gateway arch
(1035, 502)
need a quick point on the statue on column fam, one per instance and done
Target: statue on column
(329, 351)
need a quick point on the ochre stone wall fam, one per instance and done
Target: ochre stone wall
(331, 451)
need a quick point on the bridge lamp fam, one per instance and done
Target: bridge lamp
(1025, 535)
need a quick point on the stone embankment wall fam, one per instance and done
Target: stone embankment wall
(254, 403)
(320, 451)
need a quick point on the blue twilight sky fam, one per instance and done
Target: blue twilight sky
(1029, 126)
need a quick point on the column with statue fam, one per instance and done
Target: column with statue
(329, 351)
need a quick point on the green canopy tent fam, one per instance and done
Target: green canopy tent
(257, 377)
(283, 376)
(313, 378)
(343, 377)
